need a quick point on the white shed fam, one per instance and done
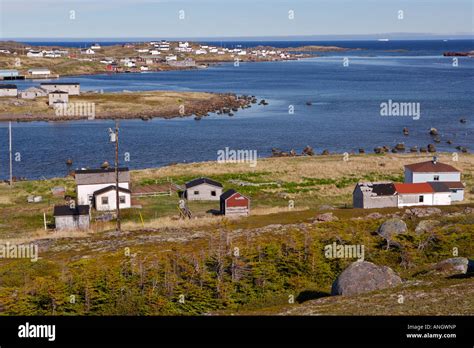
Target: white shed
(106, 199)
(203, 189)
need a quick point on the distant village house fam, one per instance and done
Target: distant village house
(203, 189)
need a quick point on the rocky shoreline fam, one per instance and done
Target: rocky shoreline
(221, 104)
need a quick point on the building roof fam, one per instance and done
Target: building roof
(454, 184)
(38, 69)
(65, 210)
(100, 176)
(423, 187)
(59, 83)
(58, 92)
(229, 193)
(439, 186)
(431, 167)
(200, 181)
(376, 189)
(7, 86)
(110, 188)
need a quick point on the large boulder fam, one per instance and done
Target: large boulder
(391, 228)
(362, 276)
(426, 226)
(454, 265)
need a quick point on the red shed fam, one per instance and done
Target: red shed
(234, 204)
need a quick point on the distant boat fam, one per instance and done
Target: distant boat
(383, 40)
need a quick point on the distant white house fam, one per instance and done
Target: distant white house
(72, 88)
(203, 189)
(34, 54)
(171, 57)
(8, 90)
(89, 51)
(39, 71)
(96, 46)
(435, 171)
(144, 68)
(88, 181)
(106, 199)
(58, 97)
(33, 93)
(200, 51)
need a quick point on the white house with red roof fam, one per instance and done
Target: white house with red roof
(434, 171)
(434, 193)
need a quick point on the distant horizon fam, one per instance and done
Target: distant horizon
(390, 36)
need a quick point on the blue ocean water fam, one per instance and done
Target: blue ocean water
(344, 115)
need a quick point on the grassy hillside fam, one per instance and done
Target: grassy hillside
(251, 265)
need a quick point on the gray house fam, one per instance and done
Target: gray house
(368, 195)
(203, 189)
(71, 217)
(72, 88)
(58, 97)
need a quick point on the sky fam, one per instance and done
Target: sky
(68, 19)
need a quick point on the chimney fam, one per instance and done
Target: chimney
(435, 159)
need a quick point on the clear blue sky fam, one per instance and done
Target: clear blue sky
(229, 18)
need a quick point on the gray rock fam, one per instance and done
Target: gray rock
(426, 226)
(362, 276)
(423, 212)
(374, 216)
(392, 227)
(326, 217)
(454, 265)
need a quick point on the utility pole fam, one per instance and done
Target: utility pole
(10, 151)
(117, 195)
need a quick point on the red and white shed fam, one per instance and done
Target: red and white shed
(234, 204)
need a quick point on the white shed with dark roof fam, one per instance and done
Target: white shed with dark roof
(71, 217)
(203, 189)
(106, 199)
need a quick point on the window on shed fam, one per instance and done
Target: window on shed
(213, 193)
(436, 178)
(196, 192)
(105, 200)
(421, 199)
(122, 199)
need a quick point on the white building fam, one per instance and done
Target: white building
(106, 199)
(89, 181)
(200, 51)
(39, 71)
(88, 51)
(71, 217)
(58, 97)
(34, 54)
(434, 171)
(72, 88)
(171, 57)
(423, 194)
(8, 90)
(33, 93)
(96, 46)
(203, 189)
